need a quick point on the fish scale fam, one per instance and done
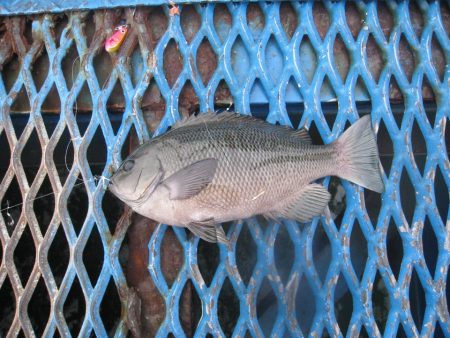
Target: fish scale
(221, 167)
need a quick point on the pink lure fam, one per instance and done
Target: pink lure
(114, 42)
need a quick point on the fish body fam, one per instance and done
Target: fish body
(215, 168)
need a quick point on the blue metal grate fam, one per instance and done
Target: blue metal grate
(268, 55)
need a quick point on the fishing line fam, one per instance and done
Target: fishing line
(11, 222)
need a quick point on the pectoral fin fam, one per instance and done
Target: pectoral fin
(312, 201)
(208, 231)
(190, 180)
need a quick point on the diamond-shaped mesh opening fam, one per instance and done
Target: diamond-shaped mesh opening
(228, 309)
(5, 155)
(21, 104)
(305, 306)
(266, 307)
(430, 246)
(255, 20)
(288, 18)
(341, 57)
(103, 67)
(153, 106)
(380, 302)
(245, 254)
(52, 103)
(157, 24)
(39, 308)
(416, 300)
(190, 22)
(74, 308)
(258, 94)
(284, 254)
(8, 308)
(407, 196)
(97, 152)
(110, 308)
(419, 146)
(44, 205)
(24, 255)
(223, 97)
(416, 18)
(208, 259)
(375, 58)
(58, 255)
(441, 193)
(308, 58)
(321, 19)
(190, 312)
(343, 304)
(353, 18)
(172, 257)
(82, 108)
(358, 250)
(222, 21)
(274, 59)
(394, 246)
(112, 209)
(10, 71)
(315, 134)
(61, 22)
(385, 18)
(77, 206)
(31, 156)
(337, 203)
(406, 57)
(206, 61)
(429, 100)
(385, 147)
(188, 103)
(63, 155)
(12, 206)
(136, 66)
(240, 61)
(321, 249)
(173, 62)
(70, 65)
(396, 101)
(438, 57)
(329, 109)
(40, 69)
(93, 255)
(116, 106)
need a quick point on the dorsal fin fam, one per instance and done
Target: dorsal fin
(303, 134)
(237, 118)
(214, 117)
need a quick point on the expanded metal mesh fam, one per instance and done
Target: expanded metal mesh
(272, 54)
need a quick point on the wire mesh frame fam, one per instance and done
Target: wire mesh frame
(375, 234)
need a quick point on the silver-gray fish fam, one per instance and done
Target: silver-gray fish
(215, 168)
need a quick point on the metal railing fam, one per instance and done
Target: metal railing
(212, 55)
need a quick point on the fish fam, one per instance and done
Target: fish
(114, 42)
(218, 167)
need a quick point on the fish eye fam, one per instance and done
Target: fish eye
(123, 30)
(128, 165)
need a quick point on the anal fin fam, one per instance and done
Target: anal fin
(209, 231)
(310, 203)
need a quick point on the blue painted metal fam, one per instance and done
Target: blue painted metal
(240, 71)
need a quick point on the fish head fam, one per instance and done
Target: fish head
(138, 175)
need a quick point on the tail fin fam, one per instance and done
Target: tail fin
(359, 152)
